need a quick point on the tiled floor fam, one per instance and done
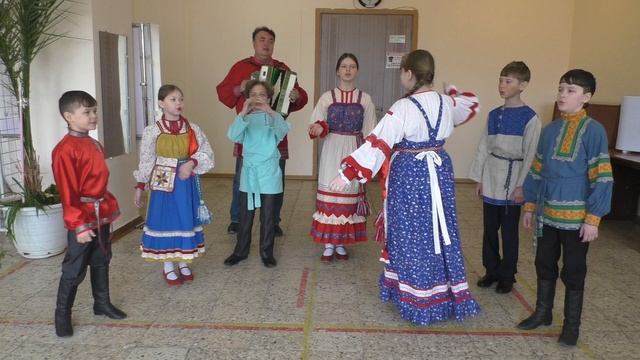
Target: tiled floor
(303, 309)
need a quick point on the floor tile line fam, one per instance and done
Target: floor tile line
(522, 300)
(435, 331)
(308, 319)
(14, 268)
(296, 328)
(303, 287)
(293, 327)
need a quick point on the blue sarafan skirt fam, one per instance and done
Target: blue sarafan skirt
(172, 231)
(425, 286)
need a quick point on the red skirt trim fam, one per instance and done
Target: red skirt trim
(338, 234)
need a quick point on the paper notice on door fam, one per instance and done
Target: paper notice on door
(397, 39)
(393, 60)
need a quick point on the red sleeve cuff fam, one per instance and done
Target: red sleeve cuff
(325, 129)
(350, 173)
(140, 186)
(195, 162)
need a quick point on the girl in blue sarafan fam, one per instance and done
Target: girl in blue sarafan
(173, 153)
(568, 190)
(424, 274)
(259, 129)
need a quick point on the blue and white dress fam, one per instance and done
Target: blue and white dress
(424, 275)
(172, 230)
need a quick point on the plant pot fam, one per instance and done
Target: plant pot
(40, 234)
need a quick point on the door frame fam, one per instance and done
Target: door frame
(322, 11)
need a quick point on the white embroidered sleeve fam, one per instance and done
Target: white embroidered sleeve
(204, 155)
(368, 158)
(147, 153)
(465, 105)
(477, 166)
(320, 111)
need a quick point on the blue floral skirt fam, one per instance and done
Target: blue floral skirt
(172, 231)
(425, 286)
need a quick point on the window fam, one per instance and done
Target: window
(10, 139)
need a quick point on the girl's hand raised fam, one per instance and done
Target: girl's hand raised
(263, 107)
(246, 108)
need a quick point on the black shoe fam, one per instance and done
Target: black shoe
(278, 231)
(486, 281)
(63, 324)
(100, 289)
(232, 228)
(66, 296)
(543, 314)
(504, 287)
(109, 311)
(233, 259)
(269, 262)
(572, 313)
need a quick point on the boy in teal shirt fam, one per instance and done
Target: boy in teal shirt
(569, 189)
(259, 129)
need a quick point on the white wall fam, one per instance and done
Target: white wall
(73, 63)
(606, 41)
(470, 40)
(64, 65)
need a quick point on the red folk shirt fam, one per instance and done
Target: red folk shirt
(229, 93)
(81, 174)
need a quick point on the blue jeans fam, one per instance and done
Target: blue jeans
(234, 211)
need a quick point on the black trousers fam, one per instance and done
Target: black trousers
(234, 210)
(505, 219)
(574, 257)
(79, 256)
(267, 225)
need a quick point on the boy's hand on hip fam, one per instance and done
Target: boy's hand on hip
(527, 220)
(85, 237)
(588, 233)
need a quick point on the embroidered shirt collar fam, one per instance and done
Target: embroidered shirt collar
(576, 116)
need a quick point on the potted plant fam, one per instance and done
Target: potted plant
(25, 29)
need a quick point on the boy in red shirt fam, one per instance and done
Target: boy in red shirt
(81, 175)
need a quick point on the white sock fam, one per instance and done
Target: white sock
(168, 266)
(328, 250)
(184, 268)
(341, 250)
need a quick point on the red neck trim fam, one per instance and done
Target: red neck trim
(174, 126)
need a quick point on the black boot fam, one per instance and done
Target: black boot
(544, 306)
(100, 289)
(64, 303)
(572, 313)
